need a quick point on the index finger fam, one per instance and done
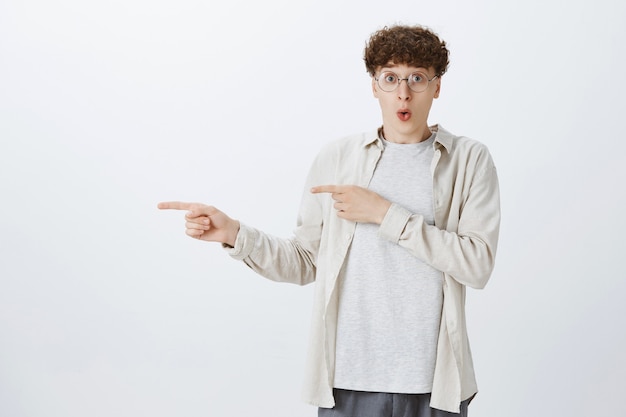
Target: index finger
(327, 189)
(174, 205)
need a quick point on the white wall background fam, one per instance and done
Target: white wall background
(106, 108)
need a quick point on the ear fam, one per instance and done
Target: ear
(438, 90)
(374, 87)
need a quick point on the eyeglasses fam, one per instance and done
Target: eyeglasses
(418, 81)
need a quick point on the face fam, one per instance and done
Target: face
(405, 112)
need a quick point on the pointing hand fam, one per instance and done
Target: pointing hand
(356, 203)
(205, 222)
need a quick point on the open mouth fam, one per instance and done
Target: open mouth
(404, 115)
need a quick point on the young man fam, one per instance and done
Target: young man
(393, 225)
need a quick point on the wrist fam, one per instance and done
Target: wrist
(233, 231)
(384, 208)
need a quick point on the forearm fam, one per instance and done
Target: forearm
(278, 259)
(466, 255)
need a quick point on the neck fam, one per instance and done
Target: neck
(416, 137)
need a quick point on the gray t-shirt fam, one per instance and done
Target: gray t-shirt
(389, 301)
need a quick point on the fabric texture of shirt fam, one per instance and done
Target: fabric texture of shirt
(390, 300)
(461, 244)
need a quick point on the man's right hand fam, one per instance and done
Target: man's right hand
(205, 222)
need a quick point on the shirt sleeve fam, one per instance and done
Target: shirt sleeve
(394, 222)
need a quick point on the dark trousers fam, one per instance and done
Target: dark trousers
(379, 404)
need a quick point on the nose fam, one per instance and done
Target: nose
(403, 90)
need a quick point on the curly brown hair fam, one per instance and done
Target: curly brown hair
(416, 46)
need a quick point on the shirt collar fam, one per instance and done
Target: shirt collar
(372, 137)
(442, 137)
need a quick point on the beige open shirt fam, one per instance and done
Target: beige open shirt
(461, 244)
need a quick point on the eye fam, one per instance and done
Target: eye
(389, 77)
(417, 78)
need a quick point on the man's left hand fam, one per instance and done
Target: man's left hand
(356, 203)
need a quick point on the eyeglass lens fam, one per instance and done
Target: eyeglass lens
(417, 81)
